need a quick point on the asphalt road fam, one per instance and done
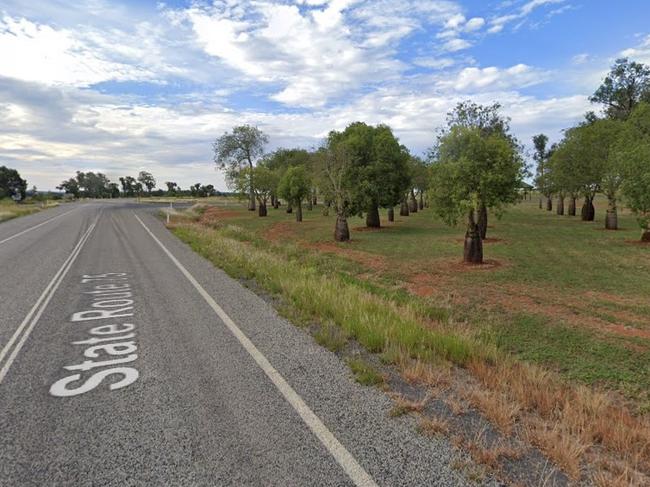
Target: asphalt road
(127, 359)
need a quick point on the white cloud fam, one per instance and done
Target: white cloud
(497, 24)
(456, 44)
(640, 53)
(477, 79)
(582, 58)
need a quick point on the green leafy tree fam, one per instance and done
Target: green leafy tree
(472, 170)
(332, 162)
(128, 185)
(377, 174)
(70, 186)
(147, 180)
(487, 121)
(93, 185)
(294, 187)
(266, 185)
(240, 149)
(114, 190)
(543, 180)
(626, 85)
(281, 160)
(632, 151)
(172, 188)
(11, 184)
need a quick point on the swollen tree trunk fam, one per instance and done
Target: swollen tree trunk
(341, 231)
(372, 217)
(404, 208)
(588, 212)
(310, 205)
(549, 203)
(261, 211)
(645, 236)
(473, 251)
(413, 204)
(289, 207)
(572, 206)
(299, 212)
(326, 208)
(482, 221)
(273, 200)
(391, 214)
(560, 205)
(611, 219)
(314, 199)
(421, 202)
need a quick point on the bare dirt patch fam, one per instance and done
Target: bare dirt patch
(213, 215)
(280, 231)
(373, 262)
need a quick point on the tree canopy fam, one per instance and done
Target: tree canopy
(11, 184)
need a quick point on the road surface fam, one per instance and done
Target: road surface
(127, 359)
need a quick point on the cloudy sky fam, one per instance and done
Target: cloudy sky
(120, 87)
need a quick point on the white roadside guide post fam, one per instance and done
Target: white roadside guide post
(169, 211)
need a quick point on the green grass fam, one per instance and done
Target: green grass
(572, 274)
(364, 373)
(9, 209)
(331, 337)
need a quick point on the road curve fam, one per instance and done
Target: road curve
(127, 359)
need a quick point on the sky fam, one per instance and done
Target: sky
(124, 86)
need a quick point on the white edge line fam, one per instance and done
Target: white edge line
(36, 226)
(344, 458)
(37, 309)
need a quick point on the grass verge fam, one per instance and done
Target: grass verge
(572, 424)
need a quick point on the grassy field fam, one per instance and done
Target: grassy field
(555, 322)
(9, 209)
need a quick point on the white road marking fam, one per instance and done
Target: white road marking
(344, 458)
(35, 226)
(37, 310)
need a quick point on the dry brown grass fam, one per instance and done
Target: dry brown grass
(569, 418)
(564, 449)
(419, 372)
(496, 407)
(433, 425)
(491, 455)
(456, 406)
(404, 406)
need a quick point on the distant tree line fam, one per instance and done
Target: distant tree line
(608, 154)
(97, 185)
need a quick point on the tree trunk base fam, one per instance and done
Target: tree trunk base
(572, 207)
(404, 209)
(473, 252)
(341, 231)
(549, 204)
(588, 212)
(391, 214)
(645, 236)
(482, 222)
(299, 213)
(611, 220)
(372, 218)
(560, 206)
(261, 211)
(289, 208)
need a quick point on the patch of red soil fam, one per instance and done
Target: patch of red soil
(214, 214)
(279, 231)
(371, 229)
(374, 262)
(640, 243)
